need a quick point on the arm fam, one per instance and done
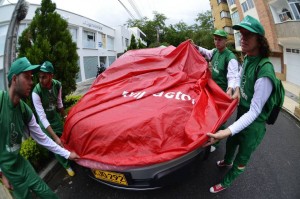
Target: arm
(41, 138)
(205, 52)
(42, 116)
(232, 75)
(262, 90)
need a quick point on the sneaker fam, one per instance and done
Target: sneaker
(70, 171)
(212, 148)
(221, 163)
(217, 188)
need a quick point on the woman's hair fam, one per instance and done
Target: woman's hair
(264, 49)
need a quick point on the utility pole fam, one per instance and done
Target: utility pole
(18, 15)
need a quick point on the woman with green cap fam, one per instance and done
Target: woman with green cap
(47, 100)
(225, 67)
(256, 86)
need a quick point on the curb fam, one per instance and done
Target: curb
(290, 113)
(50, 170)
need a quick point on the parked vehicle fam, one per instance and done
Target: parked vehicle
(143, 122)
(100, 69)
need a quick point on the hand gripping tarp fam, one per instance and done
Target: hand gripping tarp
(149, 106)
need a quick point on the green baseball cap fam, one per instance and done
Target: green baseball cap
(21, 65)
(251, 24)
(221, 33)
(47, 67)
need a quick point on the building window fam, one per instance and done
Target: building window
(110, 43)
(126, 42)
(237, 38)
(89, 40)
(250, 4)
(222, 1)
(235, 18)
(102, 41)
(295, 5)
(90, 66)
(292, 50)
(247, 5)
(73, 32)
(228, 29)
(111, 59)
(3, 33)
(225, 14)
(231, 2)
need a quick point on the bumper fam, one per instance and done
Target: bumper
(153, 176)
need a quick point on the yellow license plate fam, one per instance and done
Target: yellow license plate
(108, 176)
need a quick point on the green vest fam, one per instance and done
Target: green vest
(219, 63)
(49, 103)
(251, 73)
(13, 124)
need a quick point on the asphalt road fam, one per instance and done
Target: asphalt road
(273, 172)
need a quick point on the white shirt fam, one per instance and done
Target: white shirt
(262, 90)
(37, 102)
(41, 138)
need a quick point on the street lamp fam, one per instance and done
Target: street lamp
(18, 15)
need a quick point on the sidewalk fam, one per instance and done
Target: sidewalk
(291, 99)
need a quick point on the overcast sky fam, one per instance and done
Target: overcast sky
(112, 13)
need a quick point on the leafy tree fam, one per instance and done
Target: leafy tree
(48, 38)
(151, 27)
(203, 32)
(140, 44)
(133, 44)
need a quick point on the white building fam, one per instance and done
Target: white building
(96, 42)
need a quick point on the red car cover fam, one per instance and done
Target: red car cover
(149, 106)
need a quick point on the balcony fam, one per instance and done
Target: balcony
(233, 7)
(288, 32)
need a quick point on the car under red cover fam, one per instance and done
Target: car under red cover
(150, 106)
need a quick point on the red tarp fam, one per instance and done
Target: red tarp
(149, 106)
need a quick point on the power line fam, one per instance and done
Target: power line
(127, 10)
(135, 8)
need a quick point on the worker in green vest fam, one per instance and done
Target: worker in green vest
(47, 100)
(225, 68)
(247, 132)
(16, 119)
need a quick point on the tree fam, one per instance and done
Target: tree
(133, 44)
(140, 44)
(48, 38)
(150, 27)
(203, 32)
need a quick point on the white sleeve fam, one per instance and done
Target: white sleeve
(41, 138)
(206, 53)
(232, 73)
(262, 90)
(238, 78)
(39, 109)
(59, 99)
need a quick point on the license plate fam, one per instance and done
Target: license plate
(108, 176)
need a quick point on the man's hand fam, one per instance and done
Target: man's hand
(236, 94)
(73, 156)
(229, 92)
(58, 141)
(217, 136)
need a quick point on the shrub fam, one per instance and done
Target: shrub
(34, 153)
(70, 101)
